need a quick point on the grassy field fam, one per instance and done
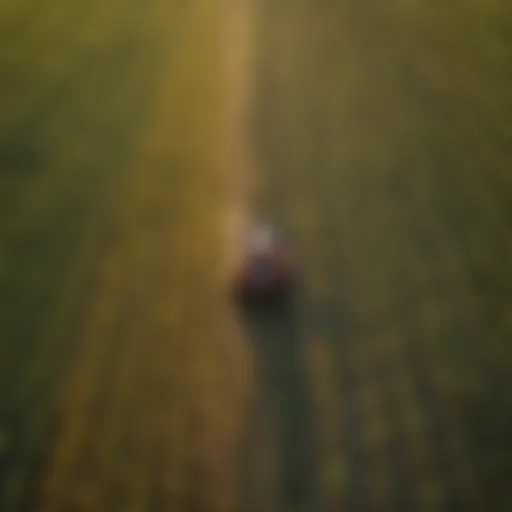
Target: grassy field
(121, 370)
(380, 135)
(384, 131)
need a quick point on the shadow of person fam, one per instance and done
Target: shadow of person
(275, 335)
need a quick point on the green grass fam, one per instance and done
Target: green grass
(62, 166)
(384, 129)
(106, 132)
(383, 133)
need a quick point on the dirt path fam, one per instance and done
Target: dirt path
(242, 169)
(260, 452)
(257, 478)
(277, 463)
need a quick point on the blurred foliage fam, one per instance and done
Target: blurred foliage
(121, 372)
(384, 134)
(386, 126)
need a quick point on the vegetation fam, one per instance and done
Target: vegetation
(384, 128)
(381, 135)
(121, 377)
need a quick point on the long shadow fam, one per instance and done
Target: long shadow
(275, 335)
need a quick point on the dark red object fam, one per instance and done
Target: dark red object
(264, 279)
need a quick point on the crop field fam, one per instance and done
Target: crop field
(376, 134)
(121, 375)
(384, 131)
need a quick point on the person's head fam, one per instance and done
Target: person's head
(261, 239)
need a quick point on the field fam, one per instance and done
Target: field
(377, 135)
(384, 131)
